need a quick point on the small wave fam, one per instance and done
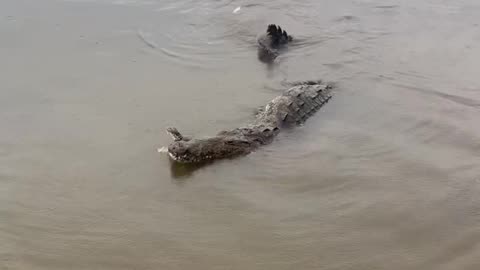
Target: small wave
(386, 6)
(454, 98)
(346, 18)
(146, 38)
(133, 2)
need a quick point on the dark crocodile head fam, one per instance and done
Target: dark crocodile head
(204, 150)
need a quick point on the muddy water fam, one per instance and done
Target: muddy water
(386, 176)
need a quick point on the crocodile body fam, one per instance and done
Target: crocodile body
(293, 107)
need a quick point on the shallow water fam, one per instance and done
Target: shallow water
(386, 176)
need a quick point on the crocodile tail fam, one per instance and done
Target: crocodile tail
(277, 34)
(272, 30)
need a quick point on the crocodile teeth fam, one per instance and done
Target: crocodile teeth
(172, 156)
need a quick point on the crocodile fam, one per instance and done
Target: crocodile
(291, 108)
(270, 42)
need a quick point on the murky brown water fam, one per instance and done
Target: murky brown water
(386, 176)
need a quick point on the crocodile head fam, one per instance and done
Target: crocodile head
(185, 150)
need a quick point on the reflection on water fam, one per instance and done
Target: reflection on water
(179, 170)
(384, 177)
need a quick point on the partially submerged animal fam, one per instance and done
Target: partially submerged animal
(293, 107)
(271, 42)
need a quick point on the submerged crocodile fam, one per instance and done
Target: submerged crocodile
(293, 107)
(271, 42)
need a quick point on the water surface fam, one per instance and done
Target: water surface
(386, 176)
